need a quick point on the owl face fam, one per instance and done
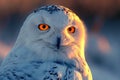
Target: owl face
(53, 33)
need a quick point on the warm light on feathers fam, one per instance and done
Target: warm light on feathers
(52, 39)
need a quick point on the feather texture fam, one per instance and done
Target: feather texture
(54, 53)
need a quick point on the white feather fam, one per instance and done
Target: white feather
(35, 55)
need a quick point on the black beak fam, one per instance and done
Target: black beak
(58, 42)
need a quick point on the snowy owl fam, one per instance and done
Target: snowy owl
(50, 46)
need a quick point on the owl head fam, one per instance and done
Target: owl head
(54, 33)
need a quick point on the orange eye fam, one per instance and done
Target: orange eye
(43, 27)
(71, 29)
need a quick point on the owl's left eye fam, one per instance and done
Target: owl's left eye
(71, 29)
(43, 27)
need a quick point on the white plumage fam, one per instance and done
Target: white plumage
(50, 46)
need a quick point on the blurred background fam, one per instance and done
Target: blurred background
(102, 19)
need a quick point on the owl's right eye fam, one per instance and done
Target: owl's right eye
(71, 29)
(43, 27)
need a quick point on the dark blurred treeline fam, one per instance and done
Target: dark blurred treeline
(86, 7)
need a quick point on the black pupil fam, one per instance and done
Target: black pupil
(70, 29)
(44, 26)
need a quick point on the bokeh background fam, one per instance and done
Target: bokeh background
(102, 19)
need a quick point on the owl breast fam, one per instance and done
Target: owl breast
(54, 71)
